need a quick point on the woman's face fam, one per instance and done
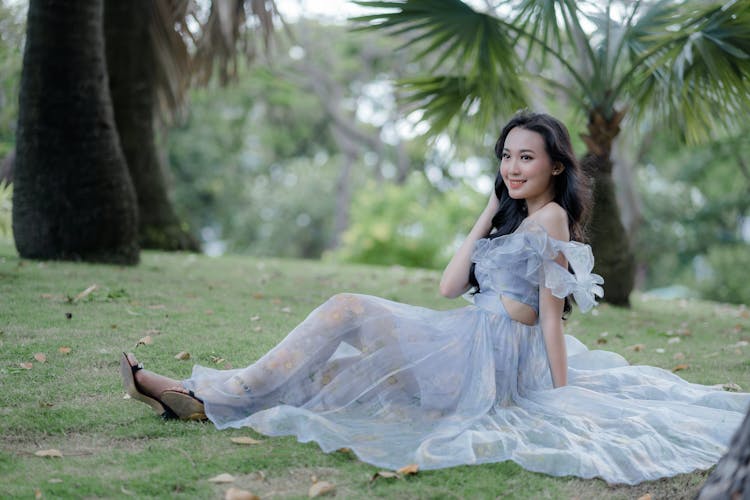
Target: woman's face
(526, 168)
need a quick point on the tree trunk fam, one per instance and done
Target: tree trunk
(731, 477)
(72, 195)
(609, 240)
(132, 82)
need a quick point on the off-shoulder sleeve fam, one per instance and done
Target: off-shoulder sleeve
(530, 254)
(584, 285)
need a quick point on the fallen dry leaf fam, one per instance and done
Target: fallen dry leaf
(244, 440)
(64, 350)
(731, 387)
(41, 357)
(647, 496)
(26, 366)
(678, 356)
(218, 360)
(238, 494)
(257, 295)
(286, 309)
(38, 493)
(636, 347)
(601, 341)
(182, 355)
(222, 478)
(254, 318)
(147, 340)
(408, 470)
(386, 474)
(86, 292)
(320, 488)
(52, 453)
(681, 366)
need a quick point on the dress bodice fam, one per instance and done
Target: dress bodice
(515, 265)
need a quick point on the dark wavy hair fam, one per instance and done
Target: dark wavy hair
(572, 186)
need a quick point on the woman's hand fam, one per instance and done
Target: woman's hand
(455, 280)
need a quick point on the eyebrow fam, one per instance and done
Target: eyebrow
(521, 150)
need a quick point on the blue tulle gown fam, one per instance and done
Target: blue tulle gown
(400, 384)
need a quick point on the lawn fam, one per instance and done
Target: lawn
(60, 341)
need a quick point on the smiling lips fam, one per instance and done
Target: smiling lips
(515, 183)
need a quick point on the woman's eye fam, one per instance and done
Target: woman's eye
(526, 157)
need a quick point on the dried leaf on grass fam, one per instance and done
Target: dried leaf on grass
(238, 494)
(182, 355)
(64, 350)
(408, 470)
(320, 488)
(26, 366)
(681, 366)
(731, 387)
(86, 292)
(385, 474)
(147, 340)
(41, 357)
(244, 440)
(222, 478)
(52, 453)
(636, 347)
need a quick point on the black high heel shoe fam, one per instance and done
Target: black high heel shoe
(172, 404)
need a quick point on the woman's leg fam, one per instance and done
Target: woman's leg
(311, 344)
(152, 384)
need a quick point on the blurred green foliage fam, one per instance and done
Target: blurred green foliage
(412, 224)
(6, 206)
(696, 202)
(12, 34)
(728, 280)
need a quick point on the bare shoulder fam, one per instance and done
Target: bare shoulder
(554, 219)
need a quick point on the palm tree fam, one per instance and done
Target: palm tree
(685, 65)
(77, 195)
(73, 198)
(153, 57)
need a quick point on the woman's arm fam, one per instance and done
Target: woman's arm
(554, 219)
(455, 280)
(550, 319)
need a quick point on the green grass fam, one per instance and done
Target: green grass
(114, 448)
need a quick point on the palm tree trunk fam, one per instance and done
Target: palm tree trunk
(731, 477)
(73, 197)
(609, 240)
(132, 82)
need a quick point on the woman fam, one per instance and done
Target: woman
(496, 380)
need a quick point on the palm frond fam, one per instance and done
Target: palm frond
(458, 41)
(173, 64)
(231, 30)
(696, 75)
